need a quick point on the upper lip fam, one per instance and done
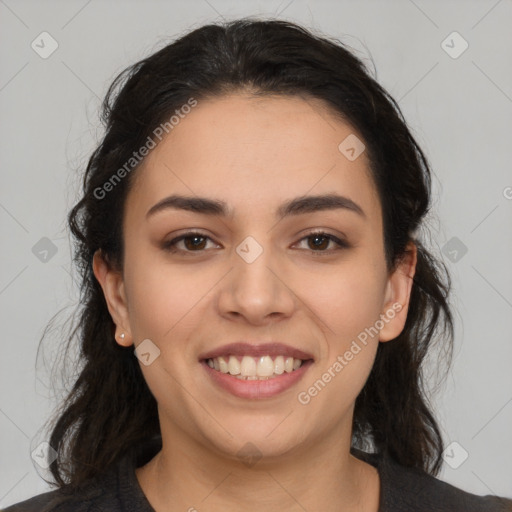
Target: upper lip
(256, 350)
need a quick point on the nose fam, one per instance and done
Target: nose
(258, 290)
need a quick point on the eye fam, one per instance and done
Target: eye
(193, 241)
(320, 241)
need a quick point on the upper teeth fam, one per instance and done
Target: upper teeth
(254, 367)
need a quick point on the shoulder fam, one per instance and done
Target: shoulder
(115, 489)
(52, 501)
(92, 497)
(426, 492)
(410, 489)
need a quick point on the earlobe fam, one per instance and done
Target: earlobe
(398, 294)
(112, 284)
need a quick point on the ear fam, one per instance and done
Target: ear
(398, 292)
(112, 283)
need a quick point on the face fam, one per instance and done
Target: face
(256, 267)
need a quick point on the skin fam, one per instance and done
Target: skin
(268, 150)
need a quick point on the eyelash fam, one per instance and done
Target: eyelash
(170, 246)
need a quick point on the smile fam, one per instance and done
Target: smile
(254, 386)
(255, 368)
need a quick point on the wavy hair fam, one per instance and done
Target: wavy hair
(110, 409)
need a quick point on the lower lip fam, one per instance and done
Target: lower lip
(255, 389)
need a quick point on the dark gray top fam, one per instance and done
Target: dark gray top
(401, 490)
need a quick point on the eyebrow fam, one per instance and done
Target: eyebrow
(297, 206)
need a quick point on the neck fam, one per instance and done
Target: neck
(186, 475)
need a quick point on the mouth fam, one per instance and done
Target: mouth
(255, 368)
(256, 371)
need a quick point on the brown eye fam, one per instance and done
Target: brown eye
(191, 242)
(319, 242)
(194, 242)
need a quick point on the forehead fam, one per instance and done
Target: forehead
(249, 150)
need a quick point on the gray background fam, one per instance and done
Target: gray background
(458, 108)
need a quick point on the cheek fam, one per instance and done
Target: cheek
(163, 299)
(348, 302)
(350, 305)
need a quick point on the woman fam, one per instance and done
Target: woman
(257, 304)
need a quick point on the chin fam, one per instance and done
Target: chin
(256, 439)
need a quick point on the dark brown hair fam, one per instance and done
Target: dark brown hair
(110, 409)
